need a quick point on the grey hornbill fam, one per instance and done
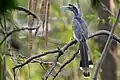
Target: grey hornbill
(80, 33)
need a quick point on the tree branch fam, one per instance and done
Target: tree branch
(52, 67)
(63, 49)
(17, 30)
(33, 14)
(66, 46)
(19, 8)
(105, 32)
(36, 56)
(67, 62)
(104, 52)
(106, 9)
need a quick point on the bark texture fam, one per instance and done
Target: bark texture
(109, 64)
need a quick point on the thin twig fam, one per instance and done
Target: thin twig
(46, 53)
(45, 63)
(106, 9)
(52, 67)
(37, 56)
(36, 61)
(67, 62)
(104, 52)
(16, 30)
(33, 14)
(27, 11)
(53, 64)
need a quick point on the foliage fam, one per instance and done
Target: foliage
(60, 32)
(59, 25)
(7, 5)
(111, 20)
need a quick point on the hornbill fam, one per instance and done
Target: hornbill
(80, 33)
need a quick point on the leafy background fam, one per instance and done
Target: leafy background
(60, 32)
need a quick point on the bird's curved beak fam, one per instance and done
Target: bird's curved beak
(66, 7)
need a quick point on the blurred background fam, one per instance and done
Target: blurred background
(98, 16)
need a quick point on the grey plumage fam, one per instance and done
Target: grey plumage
(79, 29)
(80, 33)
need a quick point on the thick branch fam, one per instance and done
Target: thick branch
(104, 32)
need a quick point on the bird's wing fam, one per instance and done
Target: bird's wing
(84, 28)
(79, 30)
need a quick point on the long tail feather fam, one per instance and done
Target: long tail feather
(84, 55)
(84, 63)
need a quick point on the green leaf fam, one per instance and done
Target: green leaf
(111, 20)
(7, 5)
(91, 17)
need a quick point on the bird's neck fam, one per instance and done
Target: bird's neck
(75, 14)
(77, 17)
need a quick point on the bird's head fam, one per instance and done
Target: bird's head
(72, 8)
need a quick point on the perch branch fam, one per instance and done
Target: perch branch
(104, 32)
(65, 47)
